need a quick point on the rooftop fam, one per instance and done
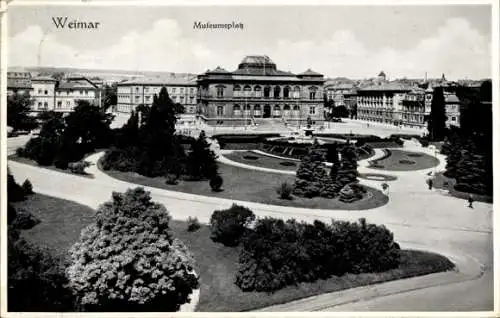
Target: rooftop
(310, 72)
(158, 81)
(391, 86)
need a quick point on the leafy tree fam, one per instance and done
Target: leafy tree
(128, 134)
(436, 123)
(228, 226)
(202, 160)
(18, 112)
(36, 280)
(348, 171)
(128, 260)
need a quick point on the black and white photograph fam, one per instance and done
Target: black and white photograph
(262, 158)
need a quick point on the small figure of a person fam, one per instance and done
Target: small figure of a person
(430, 183)
(470, 200)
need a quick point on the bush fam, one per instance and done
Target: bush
(347, 194)
(15, 192)
(171, 179)
(216, 183)
(228, 226)
(11, 213)
(24, 221)
(120, 159)
(128, 260)
(284, 190)
(78, 167)
(193, 224)
(36, 281)
(27, 187)
(276, 253)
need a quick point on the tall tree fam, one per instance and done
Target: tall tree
(18, 112)
(348, 171)
(436, 123)
(110, 97)
(202, 160)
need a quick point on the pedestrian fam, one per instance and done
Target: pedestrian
(470, 200)
(430, 182)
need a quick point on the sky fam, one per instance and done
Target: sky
(350, 41)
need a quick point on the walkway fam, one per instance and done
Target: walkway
(416, 215)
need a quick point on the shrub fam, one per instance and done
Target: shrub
(193, 224)
(20, 152)
(15, 192)
(284, 190)
(347, 194)
(78, 167)
(276, 253)
(24, 221)
(36, 281)
(406, 162)
(128, 260)
(216, 183)
(120, 159)
(228, 226)
(27, 187)
(11, 213)
(171, 179)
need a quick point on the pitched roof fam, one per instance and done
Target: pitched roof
(262, 72)
(310, 72)
(43, 78)
(391, 86)
(381, 73)
(218, 70)
(451, 98)
(158, 81)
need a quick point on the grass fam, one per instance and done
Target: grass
(262, 161)
(398, 161)
(255, 186)
(31, 162)
(61, 222)
(216, 264)
(440, 180)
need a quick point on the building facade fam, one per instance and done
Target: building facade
(133, 93)
(382, 103)
(70, 90)
(19, 82)
(414, 110)
(257, 90)
(452, 108)
(44, 93)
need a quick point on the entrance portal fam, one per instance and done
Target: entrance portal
(267, 111)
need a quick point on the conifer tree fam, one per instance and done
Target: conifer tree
(348, 171)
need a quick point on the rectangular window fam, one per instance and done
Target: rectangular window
(191, 90)
(182, 90)
(220, 110)
(220, 92)
(137, 89)
(312, 95)
(312, 111)
(40, 91)
(39, 104)
(453, 118)
(173, 89)
(59, 104)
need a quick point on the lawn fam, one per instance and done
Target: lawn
(61, 222)
(216, 264)
(255, 159)
(255, 186)
(400, 160)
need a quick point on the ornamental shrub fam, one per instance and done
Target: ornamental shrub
(279, 253)
(27, 187)
(128, 260)
(171, 179)
(284, 190)
(228, 226)
(216, 183)
(78, 167)
(24, 221)
(193, 224)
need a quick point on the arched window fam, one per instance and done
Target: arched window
(247, 90)
(267, 91)
(277, 111)
(277, 91)
(248, 110)
(237, 90)
(258, 91)
(286, 107)
(277, 107)
(312, 92)
(286, 92)
(296, 108)
(296, 92)
(236, 110)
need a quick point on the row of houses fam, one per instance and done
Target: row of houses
(400, 103)
(51, 94)
(255, 91)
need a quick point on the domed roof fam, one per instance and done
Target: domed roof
(257, 61)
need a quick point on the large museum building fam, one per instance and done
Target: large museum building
(258, 91)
